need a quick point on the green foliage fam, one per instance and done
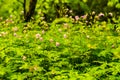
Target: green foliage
(59, 48)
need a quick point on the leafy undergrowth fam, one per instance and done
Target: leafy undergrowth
(62, 50)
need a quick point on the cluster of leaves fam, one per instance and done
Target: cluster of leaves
(67, 48)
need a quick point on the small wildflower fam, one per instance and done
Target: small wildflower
(65, 36)
(3, 33)
(15, 29)
(51, 40)
(41, 39)
(22, 12)
(15, 34)
(1, 18)
(43, 31)
(70, 17)
(35, 68)
(42, 18)
(65, 25)
(57, 44)
(70, 11)
(11, 16)
(24, 57)
(88, 36)
(101, 15)
(113, 46)
(86, 21)
(77, 18)
(66, 15)
(96, 17)
(37, 36)
(60, 30)
(111, 14)
(93, 13)
(84, 16)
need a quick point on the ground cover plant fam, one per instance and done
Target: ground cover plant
(66, 47)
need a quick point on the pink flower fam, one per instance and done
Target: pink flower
(77, 18)
(37, 36)
(57, 44)
(101, 15)
(41, 39)
(15, 34)
(84, 16)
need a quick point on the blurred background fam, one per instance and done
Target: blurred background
(51, 9)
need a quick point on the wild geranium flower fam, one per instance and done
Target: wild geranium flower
(77, 18)
(57, 44)
(37, 36)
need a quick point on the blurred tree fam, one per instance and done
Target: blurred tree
(29, 13)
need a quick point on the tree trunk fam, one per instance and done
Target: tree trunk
(28, 14)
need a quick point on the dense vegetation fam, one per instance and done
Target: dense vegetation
(64, 40)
